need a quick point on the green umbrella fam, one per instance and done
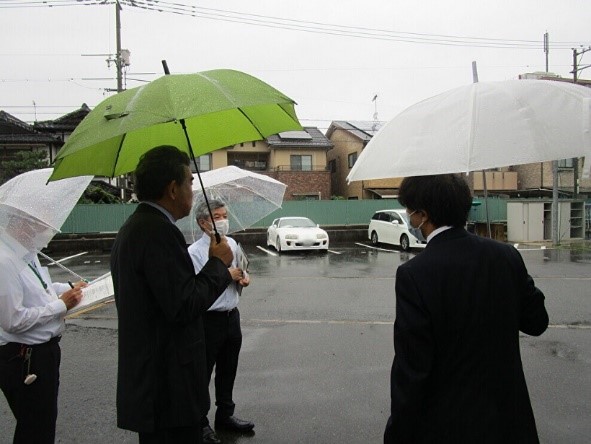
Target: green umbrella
(198, 113)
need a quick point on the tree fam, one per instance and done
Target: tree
(23, 161)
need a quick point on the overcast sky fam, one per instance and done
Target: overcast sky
(344, 53)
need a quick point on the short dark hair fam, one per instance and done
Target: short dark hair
(156, 169)
(445, 197)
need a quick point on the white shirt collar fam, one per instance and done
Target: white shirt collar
(436, 231)
(161, 208)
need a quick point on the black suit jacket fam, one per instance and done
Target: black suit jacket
(457, 375)
(161, 376)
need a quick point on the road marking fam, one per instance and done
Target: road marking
(335, 252)
(266, 251)
(376, 248)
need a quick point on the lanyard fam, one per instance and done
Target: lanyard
(33, 267)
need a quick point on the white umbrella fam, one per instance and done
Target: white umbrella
(32, 211)
(480, 126)
(248, 196)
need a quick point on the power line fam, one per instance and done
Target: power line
(300, 25)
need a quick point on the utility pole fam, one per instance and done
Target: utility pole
(118, 61)
(575, 71)
(554, 208)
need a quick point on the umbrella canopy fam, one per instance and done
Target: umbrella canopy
(248, 196)
(32, 211)
(479, 126)
(220, 108)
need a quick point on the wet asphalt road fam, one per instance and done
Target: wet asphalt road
(317, 350)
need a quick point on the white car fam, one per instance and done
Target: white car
(296, 233)
(393, 227)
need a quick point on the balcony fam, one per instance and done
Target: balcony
(299, 168)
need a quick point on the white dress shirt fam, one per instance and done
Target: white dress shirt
(29, 314)
(199, 252)
(436, 231)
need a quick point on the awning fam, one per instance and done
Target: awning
(384, 193)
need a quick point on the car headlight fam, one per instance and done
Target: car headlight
(291, 236)
(321, 236)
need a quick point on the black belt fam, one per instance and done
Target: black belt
(14, 348)
(221, 313)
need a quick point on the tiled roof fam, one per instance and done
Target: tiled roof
(313, 139)
(15, 131)
(67, 122)
(363, 129)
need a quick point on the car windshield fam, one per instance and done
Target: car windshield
(296, 223)
(404, 217)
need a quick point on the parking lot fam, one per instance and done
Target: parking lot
(317, 349)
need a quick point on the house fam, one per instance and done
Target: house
(63, 126)
(16, 135)
(296, 158)
(349, 139)
(48, 135)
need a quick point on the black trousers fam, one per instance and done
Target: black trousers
(223, 340)
(34, 406)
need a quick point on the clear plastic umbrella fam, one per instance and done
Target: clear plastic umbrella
(248, 196)
(32, 211)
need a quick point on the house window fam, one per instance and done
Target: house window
(565, 163)
(301, 163)
(352, 159)
(203, 163)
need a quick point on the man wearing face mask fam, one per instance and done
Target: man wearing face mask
(461, 304)
(223, 336)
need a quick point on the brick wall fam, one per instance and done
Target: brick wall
(303, 182)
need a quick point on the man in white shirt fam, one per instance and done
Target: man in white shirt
(31, 323)
(223, 336)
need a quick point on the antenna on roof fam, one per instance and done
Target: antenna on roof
(375, 113)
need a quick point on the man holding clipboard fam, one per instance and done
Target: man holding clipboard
(223, 336)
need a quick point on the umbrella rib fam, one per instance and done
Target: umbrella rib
(117, 156)
(252, 123)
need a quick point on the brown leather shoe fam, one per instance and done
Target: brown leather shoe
(209, 436)
(234, 424)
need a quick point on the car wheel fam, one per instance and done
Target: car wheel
(404, 243)
(278, 245)
(374, 239)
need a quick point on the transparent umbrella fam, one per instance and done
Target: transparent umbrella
(248, 196)
(32, 211)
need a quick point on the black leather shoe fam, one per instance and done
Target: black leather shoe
(234, 424)
(209, 436)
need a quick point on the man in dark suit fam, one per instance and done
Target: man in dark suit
(457, 375)
(162, 379)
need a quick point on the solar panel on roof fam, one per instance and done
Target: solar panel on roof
(295, 135)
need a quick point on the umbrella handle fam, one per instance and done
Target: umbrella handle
(182, 122)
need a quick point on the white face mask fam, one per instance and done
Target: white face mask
(223, 226)
(410, 223)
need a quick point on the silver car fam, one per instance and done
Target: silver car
(393, 227)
